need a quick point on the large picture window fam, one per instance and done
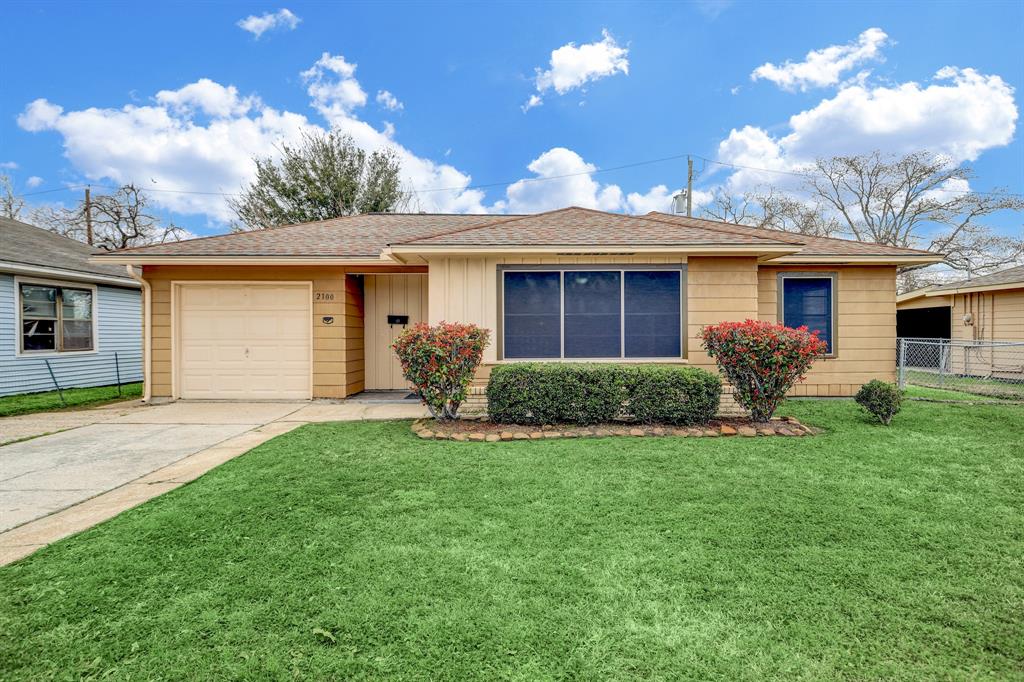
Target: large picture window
(808, 300)
(55, 319)
(600, 313)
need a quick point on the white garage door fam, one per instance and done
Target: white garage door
(244, 341)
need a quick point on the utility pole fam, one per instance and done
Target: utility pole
(88, 217)
(689, 187)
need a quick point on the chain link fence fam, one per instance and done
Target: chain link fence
(36, 375)
(985, 368)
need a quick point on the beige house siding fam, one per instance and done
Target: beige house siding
(338, 360)
(386, 295)
(996, 316)
(718, 290)
(865, 340)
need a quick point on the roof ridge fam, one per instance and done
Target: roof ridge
(502, 221)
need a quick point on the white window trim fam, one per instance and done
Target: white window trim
(18, 352)
(621, 268)
(814, 274)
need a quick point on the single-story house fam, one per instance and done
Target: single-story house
(64, 320)
(310, 310)
(986, 312)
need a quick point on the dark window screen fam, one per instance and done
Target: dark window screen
(592, 314)
(807, 301)
(653, 316)
(532, 312)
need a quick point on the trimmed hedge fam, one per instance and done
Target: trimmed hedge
(580, 393)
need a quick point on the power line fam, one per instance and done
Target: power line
(489, 185)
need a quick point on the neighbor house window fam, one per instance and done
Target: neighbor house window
(598, 313)
(808, 300)
(56, 318)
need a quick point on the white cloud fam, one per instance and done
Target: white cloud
(258, 25)
(389, 101)
(39, 115)
(33, 182)
(209, 97)
(825, 66)
(573, 66)
(8, 165)
(163, 147)
(961, 113)
(332, 84)
(563, 178)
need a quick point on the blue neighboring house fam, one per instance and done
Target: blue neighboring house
(63, 319)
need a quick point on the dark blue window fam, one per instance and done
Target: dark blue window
(807, 301)
(653, 314)
(593, 314)
(532, 315)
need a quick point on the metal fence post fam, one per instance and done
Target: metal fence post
(902, 366)
(943, 354)
(60, 392)
(117, 369)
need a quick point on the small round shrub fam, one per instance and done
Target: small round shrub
(762, 360)
(440, 362)
(880, 399)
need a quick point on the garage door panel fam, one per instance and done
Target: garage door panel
(244, 341)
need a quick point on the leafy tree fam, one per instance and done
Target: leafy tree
(325, 176)
(119, 221)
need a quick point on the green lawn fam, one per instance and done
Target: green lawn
(945, 394)
(357, 551)
(75, 397)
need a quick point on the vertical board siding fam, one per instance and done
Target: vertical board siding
(389, 295)
(997, 316)
(119, 322)
(865, 327)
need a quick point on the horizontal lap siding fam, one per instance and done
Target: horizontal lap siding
(337, 354)
(718, 290)
(119, 321)
(866, 327)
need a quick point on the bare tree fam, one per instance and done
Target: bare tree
(325, 176)
(918, 201)
(915, 201)
(772, 209)
(11, 204)
(120, 220)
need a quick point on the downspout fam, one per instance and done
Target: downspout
(147, 338)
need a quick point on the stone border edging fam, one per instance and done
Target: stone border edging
(428, 429)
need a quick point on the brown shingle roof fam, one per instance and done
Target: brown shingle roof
(29, 245)
(367, 235)
(363, 235)
(1008, 278)
(812, 246)
(576, 226)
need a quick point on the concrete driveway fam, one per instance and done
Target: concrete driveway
(108, 448)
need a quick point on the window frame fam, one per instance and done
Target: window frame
(820, 274)
(622, 269)
(19, 348)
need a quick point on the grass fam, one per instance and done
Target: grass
(946, 394)
(26, 403)
(356, 551)
(976, 386)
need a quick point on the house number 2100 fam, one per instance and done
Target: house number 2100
(323, 296)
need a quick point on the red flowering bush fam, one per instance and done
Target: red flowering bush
(762, 360)
(440, 362)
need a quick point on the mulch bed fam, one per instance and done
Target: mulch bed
(479, 430)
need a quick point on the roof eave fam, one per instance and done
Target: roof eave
(43, 271)
(859, 259)
(975, 290)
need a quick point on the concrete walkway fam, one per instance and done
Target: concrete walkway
(109, 460)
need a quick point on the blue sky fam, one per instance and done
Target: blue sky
(179, 96)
